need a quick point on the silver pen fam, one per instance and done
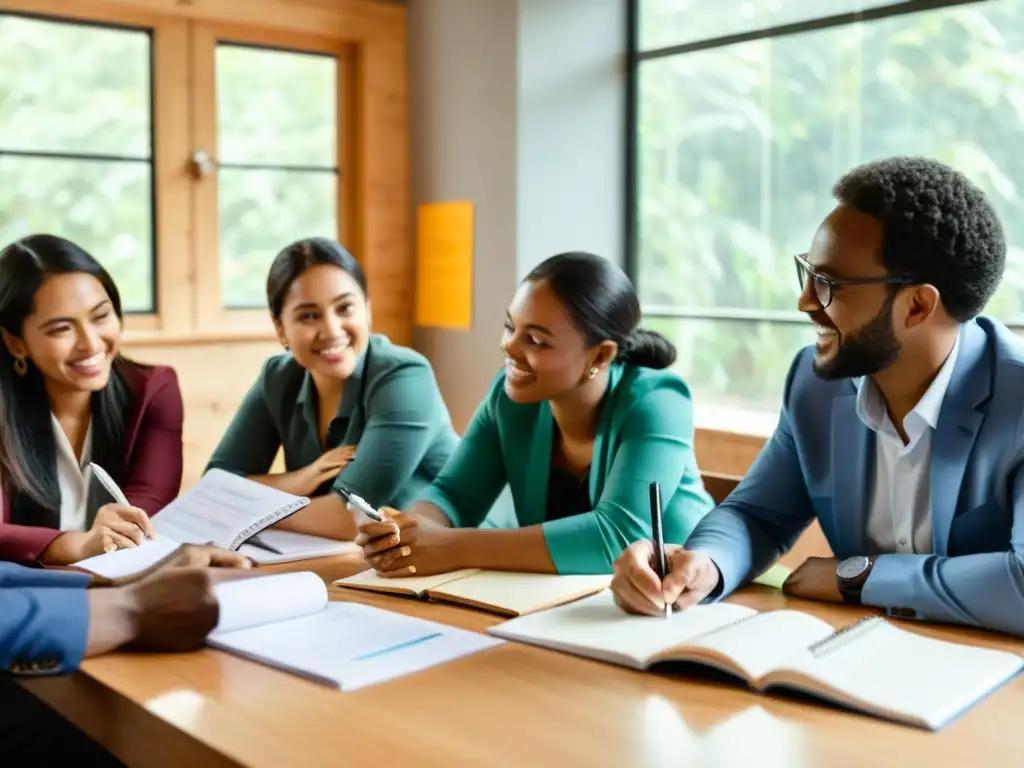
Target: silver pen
(108, 482)
(359, 504)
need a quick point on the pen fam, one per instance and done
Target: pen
(108, 482)
(659, 541)
(360, 504)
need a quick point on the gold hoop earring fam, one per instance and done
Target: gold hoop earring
(20, 366)
(592, 373)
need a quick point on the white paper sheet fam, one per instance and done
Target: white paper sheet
(292, 547)
(125, 562)
(252, 601)
(349, 645)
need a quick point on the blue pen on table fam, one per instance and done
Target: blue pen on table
(360, 504)
(658, 538)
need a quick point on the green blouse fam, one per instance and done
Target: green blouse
(644, 434)
(391, 408)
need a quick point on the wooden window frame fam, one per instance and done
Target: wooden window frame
(368, 40)
(211, 314)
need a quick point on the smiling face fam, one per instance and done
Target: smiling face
(72, 335)
(856, 331)
(546, 355)
(325, 321)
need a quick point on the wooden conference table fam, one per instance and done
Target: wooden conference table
(512, 705)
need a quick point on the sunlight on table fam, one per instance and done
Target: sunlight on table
(665, 738)
(754, 737)
(184, 708)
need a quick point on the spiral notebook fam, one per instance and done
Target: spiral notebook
(223, 509)
(870, 666)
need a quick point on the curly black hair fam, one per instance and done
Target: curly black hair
(937, 228)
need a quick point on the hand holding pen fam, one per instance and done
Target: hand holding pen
(653, 578)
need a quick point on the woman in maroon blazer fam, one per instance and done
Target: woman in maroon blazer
(68, 398)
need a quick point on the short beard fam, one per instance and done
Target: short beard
(872, 349)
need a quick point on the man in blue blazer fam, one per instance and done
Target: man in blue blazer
(51, 620)
(902, 429)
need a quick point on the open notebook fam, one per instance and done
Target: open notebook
(510, 594)
(227, 510)
(285, 621)
(870, 666)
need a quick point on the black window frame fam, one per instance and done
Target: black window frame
(635, 57)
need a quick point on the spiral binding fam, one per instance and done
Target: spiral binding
(259, 525)
(845, 635)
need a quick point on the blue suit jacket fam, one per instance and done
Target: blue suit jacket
(44, 620)
(819, 463)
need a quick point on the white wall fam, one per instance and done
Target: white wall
(462, 55)
(518, 105)
(572, 101)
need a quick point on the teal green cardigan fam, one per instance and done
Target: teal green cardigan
(391, 408)
(644, 433)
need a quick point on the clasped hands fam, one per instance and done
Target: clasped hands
(403, 545)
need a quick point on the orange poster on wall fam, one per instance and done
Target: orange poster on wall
(444, 265)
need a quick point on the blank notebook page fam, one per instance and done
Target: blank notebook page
(598, 623)
(908, 673)
(766, 640)
(521, 591)
(250, 601)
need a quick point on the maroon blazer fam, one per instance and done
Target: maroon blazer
(154, 466)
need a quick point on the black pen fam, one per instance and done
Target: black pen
(658, 538)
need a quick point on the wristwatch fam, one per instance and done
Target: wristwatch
(851, 574)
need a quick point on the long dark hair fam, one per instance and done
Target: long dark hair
(301, 255)
(603, 304)
(28, 458)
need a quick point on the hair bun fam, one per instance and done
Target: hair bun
(648, 349)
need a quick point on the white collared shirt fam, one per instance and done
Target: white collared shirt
(73, 478)
(899, 517)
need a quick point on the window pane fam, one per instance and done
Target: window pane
(72, 88)
(105, 207)
(276, 107)
(739, 146)
(675, 22)
(260, 213)
(736, 369)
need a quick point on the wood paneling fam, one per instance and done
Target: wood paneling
(175, 264)
(729, 453)
(214, 378)
(382, 179)
(345, 19)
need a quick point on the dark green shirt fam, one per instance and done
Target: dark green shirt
(391, 408)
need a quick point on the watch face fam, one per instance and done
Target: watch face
(852, 567)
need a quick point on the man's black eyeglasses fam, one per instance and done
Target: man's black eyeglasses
(824, 286)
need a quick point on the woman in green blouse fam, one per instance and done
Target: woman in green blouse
(580, 422)
(350, 408)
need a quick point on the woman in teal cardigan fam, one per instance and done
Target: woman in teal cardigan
(351, 409)
(580, 422)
